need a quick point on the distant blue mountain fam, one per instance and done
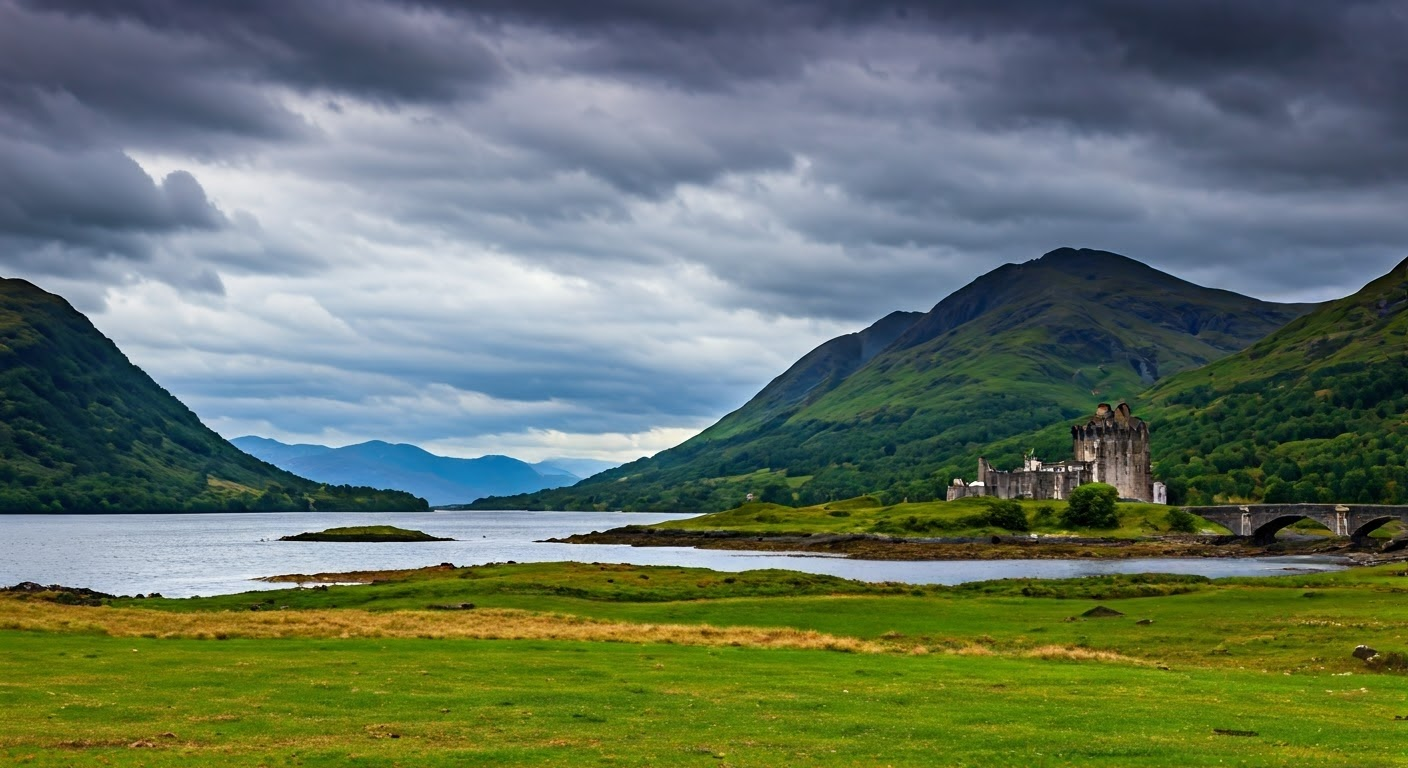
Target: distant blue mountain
(440, 480)
(583, 468)
(275, 452)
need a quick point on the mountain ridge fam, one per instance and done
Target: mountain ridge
(1020, 347)
(441, 480)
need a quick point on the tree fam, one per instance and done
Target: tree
(1008, 514)
(1182, 521)
(1278, 492)
(1092, 506)
(775, 491)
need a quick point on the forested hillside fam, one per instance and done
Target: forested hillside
(1317, 412)
(82, 429)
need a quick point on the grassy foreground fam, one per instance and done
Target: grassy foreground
(570, 664)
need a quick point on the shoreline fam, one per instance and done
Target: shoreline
(868, 546)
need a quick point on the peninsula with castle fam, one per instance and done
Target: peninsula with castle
(1111, 449)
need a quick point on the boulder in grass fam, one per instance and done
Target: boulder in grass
(1101, 612)
(1364, 652)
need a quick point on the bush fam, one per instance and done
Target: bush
(1092, 506)
(1045, 514)
(1008, 514)
(1182, 521)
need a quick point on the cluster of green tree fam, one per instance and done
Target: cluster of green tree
(1335, 434)
(84, 430)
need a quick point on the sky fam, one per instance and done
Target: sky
(552, 228)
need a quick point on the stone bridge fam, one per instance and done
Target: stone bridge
(1262, 521)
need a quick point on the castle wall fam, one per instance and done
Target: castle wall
(1046, 483)
(1036, 485)
(956, 492)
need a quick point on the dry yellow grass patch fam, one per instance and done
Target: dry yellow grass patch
(972, 650)
(230, 486)
(485, 624)
(1049, 652)
(1044, 652)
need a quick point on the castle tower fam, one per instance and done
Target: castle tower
(1116, 445)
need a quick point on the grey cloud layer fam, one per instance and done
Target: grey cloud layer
(786, 165)
(643, 98)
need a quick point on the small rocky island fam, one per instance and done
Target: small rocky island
(365, 533)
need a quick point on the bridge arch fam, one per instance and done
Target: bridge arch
(1360, 535)
(1266, 532)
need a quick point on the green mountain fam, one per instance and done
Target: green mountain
(818, 372)
(82, 429)
(905, 405)
(1316, 412)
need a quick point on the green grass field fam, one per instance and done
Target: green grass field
(1000, 673)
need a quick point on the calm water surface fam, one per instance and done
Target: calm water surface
(184, 555)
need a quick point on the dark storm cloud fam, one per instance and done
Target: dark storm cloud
(1304, 91)
(82, 81)
(1292, 91)
(383, 51)
(106, 191)
(68, 213)
(1252, 94)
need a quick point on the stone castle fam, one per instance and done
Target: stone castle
(1113, 448)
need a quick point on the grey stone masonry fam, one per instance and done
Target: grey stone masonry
(1115, 444)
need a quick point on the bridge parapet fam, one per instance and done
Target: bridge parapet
(1262, 521)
